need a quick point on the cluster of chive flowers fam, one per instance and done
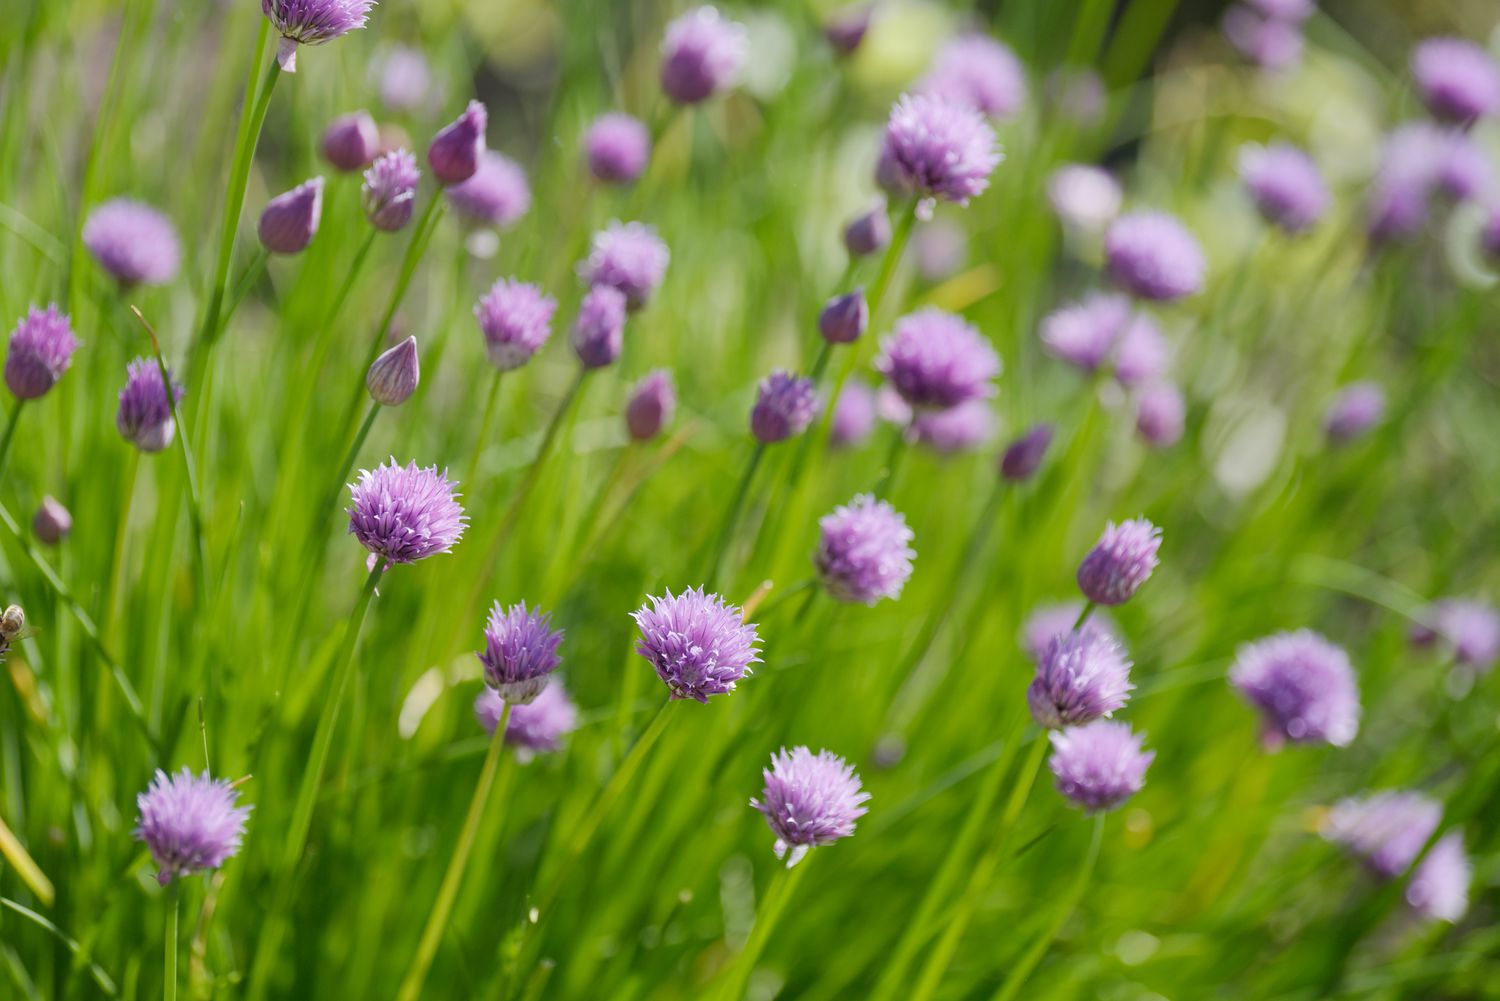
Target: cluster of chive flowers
(40, 350)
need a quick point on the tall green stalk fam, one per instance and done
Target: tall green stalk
(783, 885)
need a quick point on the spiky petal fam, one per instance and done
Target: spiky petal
(699, 644)
(809, 800)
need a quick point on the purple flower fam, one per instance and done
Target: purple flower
(495, 195)
(1456, 78)
(1084, 333)
(1355, 410)
(935, 359)
(617, 148)
(1439, 889)
(865, 551)
(145, 414)
(1049, 622)
(1464, 170)
(810, 800)
(52, 522)
(1078, 94)
(958, 429)
(1084, 197)
(190, 823)
(939, 149)
(290, 221)
(599, 330)
(844, 318)
(41, 349)
(403, 514)
(1285, 184)
(1418, 160)
(1471, 627)
(133, 242)
(1387, 830)
(846, 28)
(312, 22)
(350, 141)
(1272, 43)
(784, 406)
(1160, 413)
(1120, 562)
(520, 652)
(630, 257)
(516, 319)
(534, 728)
(698, 644)
(1099, 766)
(853, 415)
(393, 377)
(1142, 354)
(701, 54)
(868, 233)
(652, 403)
(1024, 456)
(1080, 677)
(977, 72)
(405, 78)
(1303, 687)
(457, 150)
(390, 190)
(1152, 256)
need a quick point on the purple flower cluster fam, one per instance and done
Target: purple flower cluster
(809, 800)
(145, 415)
(41, 349)
(1099, 766)
(701, 54)
(599, 329)
(1356, 409)
(1160, 414)
(627, 256)
(135, 243)
(1457, 79)
(1387, 831)
(1270, 41)
(940, 149)
(1285, 184)
(1302, 685)
(1080, 677)
(495, 195)
(403, 514)
(390, 190)
(699, 644)
(536, 727)
(312, 22)
(520, 652)
(1153, 256)
(864, 553)
(617, 148)
(1120, 562)
(190, 823)
(1084, 334)
(784, 406)
(935, 359)
(516, 319)
(977, 72)
(1471, 628)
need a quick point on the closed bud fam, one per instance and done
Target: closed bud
(52, 522)
(395, 374)
(350, 142)
(290, 220)
(1024, 456)
(844, 318)
(869, 233)
(456, 151)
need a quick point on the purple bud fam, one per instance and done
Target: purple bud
(41, 349)
(868, 233)
(456, 151)
(1082, 676)
(1120, 562)
(394, 375)
(1152, 256)
(1024, 456)
(145, 414)
(516, 320)
(864, 553)
(350, 141)
(652, 404)
(702, 53)
(290, 220)
(496, 195)
(520, 652)
(941, 149)
(1457, 79)
(853, 415)
(809, 800)
(312, 22)
(844, 318)
(784, 406)
(617, 148)
(599, 330)
(977, 72)
(1387, 831)
(52, 522)
(390, 190)
(135, 243)
(1160, 413)
(846, 29)
(1285, 184)
(1099, 766)
(1356, 409)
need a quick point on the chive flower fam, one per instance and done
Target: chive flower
(1082, 676)
(784, 407)
(1303, 687)
(1160, 415)
(1356, 409)
(520, 652)
(390, 190)
(935, 359)
(701, 54)
(810, 800)
(1153, 256)
(1120, 562)
(496, 195)
(1023, 457)
(978, 72)
(190, 823)
(617, 148)
(627, 256)
(864, 551)
(144, 417)
(393, 377)
(699, 644)
(940, 149)
(351, 141)
(599, 329)
(135, 243)
(312, 22)
(1456, 79)
(1387, 830)
(652, 404)
(403, 514)
(456, 152)
(516, 320)
(844, 318)
(41, 349)
(536, 727)
(1083, 334)
(290, 221)
(1099, 766)
(1285, 184)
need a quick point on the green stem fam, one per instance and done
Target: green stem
(346, 466)
(783, 885)
(979, 881)
(246, 283)
(732, 514)
(484, 428)
(1083, 615)
(317, 762)
(1061, 911)
(437, 921)
(820, 362)
(900, 233)
(892, 462)
(10, 431)
(534, 471)
(169, 958)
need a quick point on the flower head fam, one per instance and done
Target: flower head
(1471, 627)
(935, 359)
(405, 78)
(1387, 831)
(784, 406)
(1152, 256)
(403, 514)
(939, 149)
(1084, 197)
(977, 72)
(390, 190)
(1356, 409)
(1050, 622)
(1457, 79)
(516, 320)
(853, 415)
(1084, 333)
(135, 243)
(699, 645)
(1082, 676)
(1099, 766)
(868, 233)
(701, 54)
(844, 318)
(1272, 43)
(312, 22)
(1023, 457)
(496, 194)
(1120, 562)
(809, 800)
(350, 141)
(145, 414)
(290, 221)
(617, 148)
(189, 822)
(1302, 685)
(652, 404)
(394, 376)
(1160, 414)
(41, 349)
(1285, 184)
(52, 522)
(846, 28)
(535, 727)
(628, 256)
(520, 652)
(1142, 354)
(958, 429)
(458, 149)
(865, 551)
(599, 330)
